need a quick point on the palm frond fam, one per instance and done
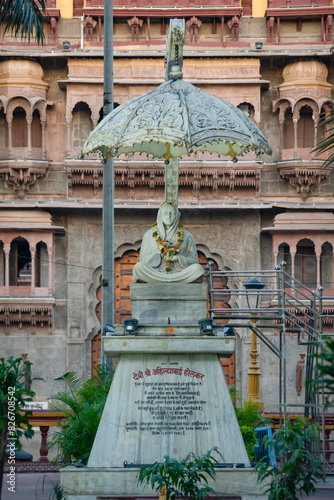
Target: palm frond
(23, 17)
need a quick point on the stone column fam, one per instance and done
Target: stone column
(69, 136)
(293, 254)
(51, 271)
(295, 144)
(7, 250)
(43, 449)
(318, 256)
(281, 133)
(10, 139)
(43, 124)
(29, 136)
(33, 270)
(275, 255)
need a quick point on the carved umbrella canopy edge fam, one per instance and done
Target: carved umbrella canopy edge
(175, 119)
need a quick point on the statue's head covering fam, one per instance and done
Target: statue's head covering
(168, 233)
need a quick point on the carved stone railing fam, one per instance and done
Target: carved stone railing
(26, 314)
(146, 10)
(304, 176)
(299, 10)
(132, 175)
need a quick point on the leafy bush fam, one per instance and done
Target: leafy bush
(249, 418)
(249, 436)
(182, 478)
(13, 395)
(83, 404)
(325, 367)
(296, 471)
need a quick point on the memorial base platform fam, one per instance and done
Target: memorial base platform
(95, 483)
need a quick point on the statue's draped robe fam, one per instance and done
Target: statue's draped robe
(152, 266)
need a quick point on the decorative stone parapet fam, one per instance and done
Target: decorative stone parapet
(135, 174)
(26, 315)
(21, 175)
(304, 176)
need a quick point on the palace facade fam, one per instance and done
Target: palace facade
(274, 61)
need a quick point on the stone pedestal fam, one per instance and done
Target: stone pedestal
(168, 404)
(169, 303)
(168, 397)
(90, 483)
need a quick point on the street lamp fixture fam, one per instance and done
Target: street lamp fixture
(228, 331)
(206, 326)
(254, 285)
(130, 326)
(108, 330)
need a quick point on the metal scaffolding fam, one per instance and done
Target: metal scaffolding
(284, 306)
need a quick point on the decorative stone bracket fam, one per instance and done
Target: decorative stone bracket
(21, 175)
(305, 179)
(135, 176)
(25, 317)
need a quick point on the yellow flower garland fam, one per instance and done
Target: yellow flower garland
(165, 248)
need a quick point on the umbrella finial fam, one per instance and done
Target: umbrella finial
(174, 49)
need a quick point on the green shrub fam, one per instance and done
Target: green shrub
(249, 437)
(82, 404)
(297, 471)
(182, 478)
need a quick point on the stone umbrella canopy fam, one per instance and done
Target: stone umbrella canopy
(175, 119)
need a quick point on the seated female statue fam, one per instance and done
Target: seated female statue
(168, 253)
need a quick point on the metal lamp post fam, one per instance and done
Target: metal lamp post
(107, 311)
(253, 287)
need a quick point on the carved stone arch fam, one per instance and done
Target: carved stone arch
(302, 239)
(285, 103)
(306, 102)
(125, 247)
(213, 256)
(325, 103)
(76, 101)
(252, 108)
(18, 102)
(3, 103)
(40, 105)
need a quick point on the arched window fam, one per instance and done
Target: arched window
(82, 124)
(305, 128)
(101, 111)
(288, 133)
(2, 264)
(41, 265)
(19, 263)
(36, 130)
(326, 265)
(248, 109)
(306, 263)
(19, 129)
(284, 255)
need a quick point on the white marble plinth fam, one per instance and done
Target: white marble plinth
(88, 483)
(168, 303)
(167, 404)
(117, 346)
